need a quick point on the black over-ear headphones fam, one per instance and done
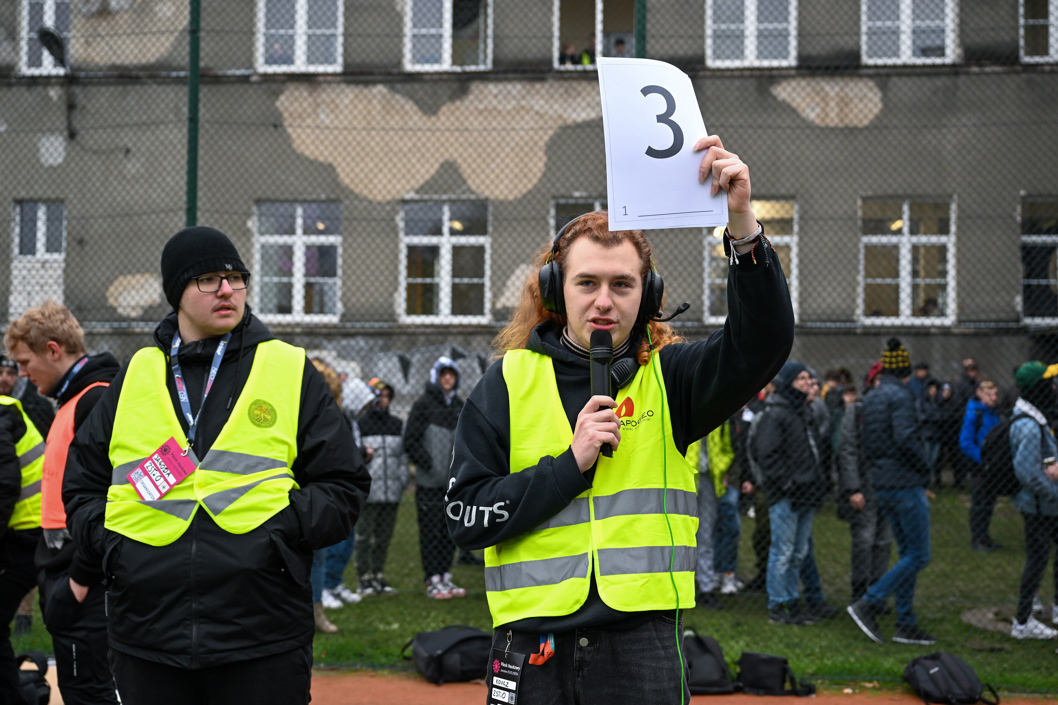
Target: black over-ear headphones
(550, 280)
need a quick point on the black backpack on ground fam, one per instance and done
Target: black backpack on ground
(997, 460)
(944, 678)
(450, 655)
(35, 689)
(764, 674)
(707, 671)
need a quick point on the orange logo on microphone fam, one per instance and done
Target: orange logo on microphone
(627, 408)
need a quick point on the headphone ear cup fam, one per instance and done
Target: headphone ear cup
(653, 293)
(550, 281)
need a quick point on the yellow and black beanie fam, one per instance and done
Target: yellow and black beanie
(895, 360)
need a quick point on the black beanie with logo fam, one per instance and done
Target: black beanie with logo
(192, 252)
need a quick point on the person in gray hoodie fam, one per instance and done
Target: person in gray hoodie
(428, 439)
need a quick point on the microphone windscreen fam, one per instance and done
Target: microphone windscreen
(601, 343)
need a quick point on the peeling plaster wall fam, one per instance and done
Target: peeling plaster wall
(142, 34)
(832, 102)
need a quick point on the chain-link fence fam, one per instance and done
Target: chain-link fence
(388, 167)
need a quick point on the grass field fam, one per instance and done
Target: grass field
(958, 579)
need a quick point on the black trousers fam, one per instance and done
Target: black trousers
(79, 636)
(374, 529)
(17, 577)
(1041, 533)
(761, 532)
(984, 491)
(282, 679)
(435, 545)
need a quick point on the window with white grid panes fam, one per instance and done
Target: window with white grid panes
(750, 33)
(907, 261)
(1039, 259)
(34, 58)
(447, 35)
(298, 261)
(38, 254)
(299, 36)
(586, 29)
(908, 31)
(444, 262)
(779, 218)
(1039, 31)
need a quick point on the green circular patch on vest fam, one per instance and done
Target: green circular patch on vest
(262, 414)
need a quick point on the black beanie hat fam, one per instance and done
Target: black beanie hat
(192, 252)
(895, 360)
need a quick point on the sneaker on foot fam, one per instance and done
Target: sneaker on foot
(345, 594)
(862, 613)
(729, 584)
(911, 634)
(381, 587)
(330, 601)
(820, 611)
(366, 588)
(436, 588)
(322, 623)
(453, 589)
(788, 613)
(1037, 605)
(1032, 629)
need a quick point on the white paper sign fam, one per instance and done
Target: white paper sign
(651, 122)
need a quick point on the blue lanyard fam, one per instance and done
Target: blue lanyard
(73, 373)
(181, 388)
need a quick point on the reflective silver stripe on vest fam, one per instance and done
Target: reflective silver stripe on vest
(645, 501)
(29, 490)
(645, 559)
(119, 476)
(547, 571)
(576, 512)
(239, 463)
(30, 455)
(217, 503)
(179, 508)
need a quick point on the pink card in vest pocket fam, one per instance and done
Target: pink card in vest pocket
(163, 470)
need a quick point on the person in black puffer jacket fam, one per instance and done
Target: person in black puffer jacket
(787, 448)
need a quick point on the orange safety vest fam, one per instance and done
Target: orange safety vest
(56, 448)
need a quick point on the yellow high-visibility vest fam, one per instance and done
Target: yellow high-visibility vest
(30, 451)
(617, 530)
(246, 476)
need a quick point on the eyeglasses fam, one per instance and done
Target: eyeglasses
(211, 283)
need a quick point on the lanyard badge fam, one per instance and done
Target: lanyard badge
(181, 388)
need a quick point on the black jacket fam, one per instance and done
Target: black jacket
(12, 428)
(212, 597)
(99, 368)
(429, 435)
(890, 437)
(38, 409)
(788, 448)
(706, 382)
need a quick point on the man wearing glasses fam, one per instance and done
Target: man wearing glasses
(216, 463)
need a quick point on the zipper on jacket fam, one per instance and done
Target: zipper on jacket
(194, 596)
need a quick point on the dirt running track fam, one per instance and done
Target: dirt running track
(372, 688)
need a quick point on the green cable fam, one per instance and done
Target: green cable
(665, 508)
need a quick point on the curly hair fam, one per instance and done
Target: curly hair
(531, 312)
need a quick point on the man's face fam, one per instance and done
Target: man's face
(384, 398)
(921, 373)
(447, 380)
(8, 377)
(213, 314)
(803, 382)
(602, 289)
(988, 396)
(43, 369)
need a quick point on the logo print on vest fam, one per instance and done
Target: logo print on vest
(627, 408)
(262, 414)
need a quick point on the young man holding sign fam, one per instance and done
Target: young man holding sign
(590, 558)
(215, 464)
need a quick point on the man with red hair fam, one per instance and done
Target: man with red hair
(589, 558)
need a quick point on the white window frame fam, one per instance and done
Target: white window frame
(1047, 240)
(590, 204)
(1052, 33)
(750, 28)
(906, 241)
(301, 34)
(446, 44)
(906, 30)
(557, 40)
(445, 241)
(48, 66)
(42, 231)
(298, 242)
(709, 238)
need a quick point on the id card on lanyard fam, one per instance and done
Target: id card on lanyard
(166, 467)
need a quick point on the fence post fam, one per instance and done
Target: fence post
(191, 217)
(640, 25)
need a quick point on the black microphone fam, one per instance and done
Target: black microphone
(683, 307)
(601, 359)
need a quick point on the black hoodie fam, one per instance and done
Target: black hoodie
(212, 597)
(705, 381)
